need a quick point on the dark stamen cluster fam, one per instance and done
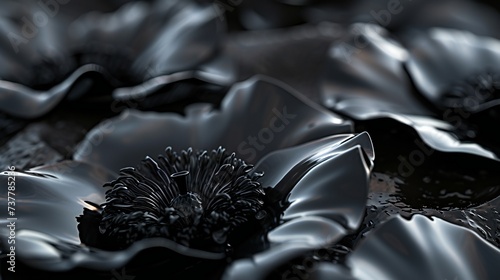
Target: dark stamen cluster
(192, 198)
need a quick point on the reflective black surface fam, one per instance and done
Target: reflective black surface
(373, 124)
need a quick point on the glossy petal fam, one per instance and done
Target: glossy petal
(268, 52)
(78, 42)
(394, 15)
(49, 198)
(366, 80)
(21, 101)
(273, 116)
(364, 75)
(423, 249)
(326, 271)
(419, 248)
(260, 265)
(303, 172)
(459, 74)
(441, 57)
(438, 136)
(325, 183)
(47, 253)
(399, 16)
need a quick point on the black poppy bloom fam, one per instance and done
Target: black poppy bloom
(458, 73)
(288, 178)
(367, 78)
(64, 50)
(408, 94)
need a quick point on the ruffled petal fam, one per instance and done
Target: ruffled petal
(423, 249)
(314, 177)
(81, 45)
(49, 198)
(364, 76)
(365, 79)
(256, 117)
(420, 248)
(325, 188)
(439, 58)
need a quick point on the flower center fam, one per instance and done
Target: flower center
(193, 198)
(188, 207)
(473, 91)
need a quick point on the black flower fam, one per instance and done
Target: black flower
(408, 93)
(58, 50)
(202, 211)
(366, 79)
(458, 72)
(439, 79)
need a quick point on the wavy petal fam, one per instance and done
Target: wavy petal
(441, 57)
(268, 52)
(291, 240)
(326, 184)
(322, 167)
(396, 15)
(365, 80)
(48, 198)
(423, 249)
(364, 75)
(458, 14)
(76, 40)
(419, 248)
(273, 116)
